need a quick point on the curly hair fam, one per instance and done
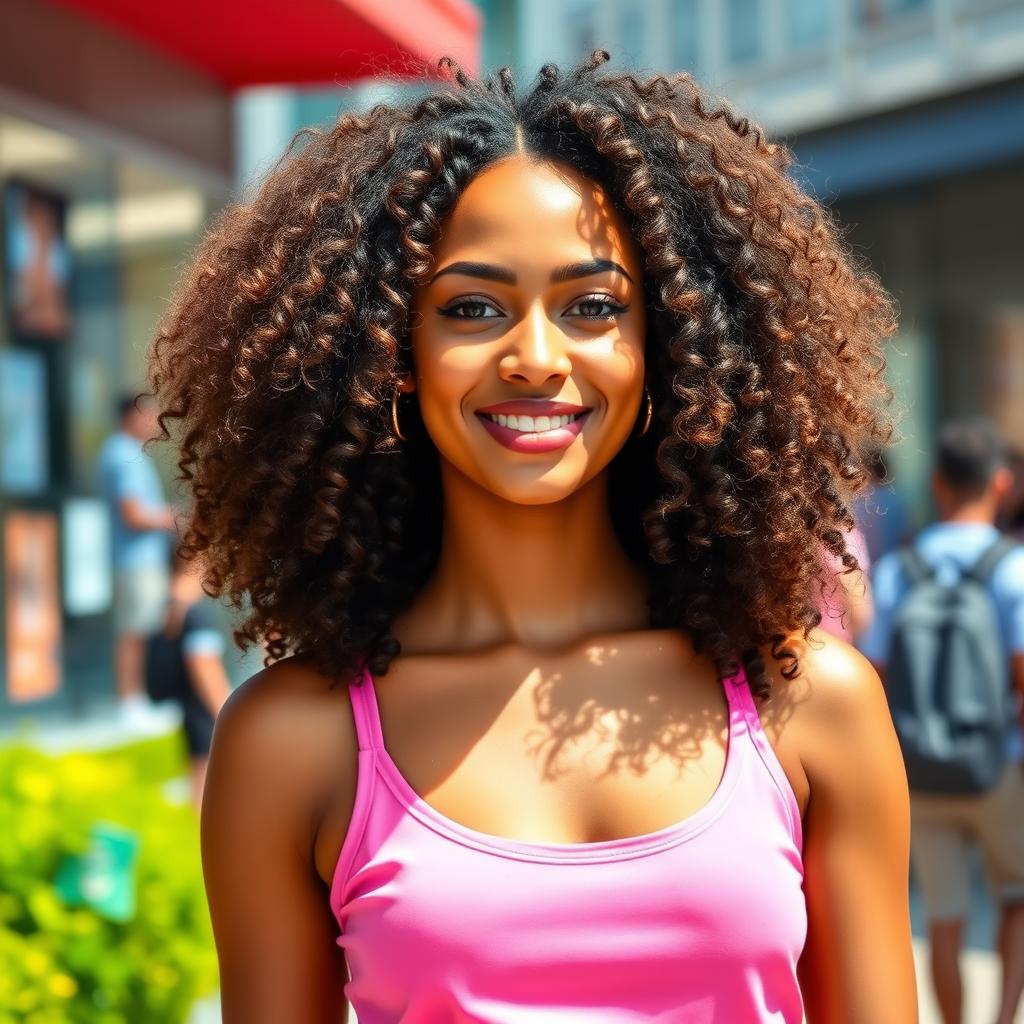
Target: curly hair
(276, 362)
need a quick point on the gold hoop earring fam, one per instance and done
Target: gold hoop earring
(650, 412)
(394, 415)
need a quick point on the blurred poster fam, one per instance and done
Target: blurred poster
(24, 440)
(1005, 335)
(90, 402)
(87, 583)
(38, 267)
(33, 605)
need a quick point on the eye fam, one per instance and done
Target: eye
(597, 307)
(472, 308)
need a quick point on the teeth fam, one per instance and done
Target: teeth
(532, 424)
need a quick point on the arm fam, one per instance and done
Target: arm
(137, 516)
(209, 680)
(280, 750)
(857, 966)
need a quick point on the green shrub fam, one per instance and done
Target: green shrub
(69, 965)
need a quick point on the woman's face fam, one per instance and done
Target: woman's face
(528, 339)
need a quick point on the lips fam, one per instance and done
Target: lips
(560, 432)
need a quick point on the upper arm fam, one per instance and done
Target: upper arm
(275, 934)
(1008, 584)
(857, 964)
(202, 647)
(128, 475)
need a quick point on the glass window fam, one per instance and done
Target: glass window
(877, 12)
(743, 31)
(580, 30)
(630, 29)
(685, 29)
(807, 23)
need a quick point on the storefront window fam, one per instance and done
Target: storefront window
(879, 12)
(91, 245)
(807, 23)
(631, 27)
(745, 31)
(685, 36)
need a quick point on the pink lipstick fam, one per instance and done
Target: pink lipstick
(533, 426)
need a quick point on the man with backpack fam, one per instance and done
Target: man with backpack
(948, 641)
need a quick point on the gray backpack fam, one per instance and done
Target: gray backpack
(947, 678)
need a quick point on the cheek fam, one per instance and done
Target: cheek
(445, 375)
(615, 368)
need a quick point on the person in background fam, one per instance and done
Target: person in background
(881, 514)
(186, 655)
(142, 524)
(1011, 509)
(970, 483)
(845, 597)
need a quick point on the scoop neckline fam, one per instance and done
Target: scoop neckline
(622, 848)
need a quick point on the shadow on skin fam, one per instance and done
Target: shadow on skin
(591, 734)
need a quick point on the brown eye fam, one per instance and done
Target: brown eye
(597, 307)
(469, 309)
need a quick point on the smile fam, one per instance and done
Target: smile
(522, 433)
(532, 424)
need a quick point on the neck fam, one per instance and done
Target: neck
(544, 576)
(971, 512)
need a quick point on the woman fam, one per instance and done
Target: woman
(521, 421)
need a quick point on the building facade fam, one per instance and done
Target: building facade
(111, 160)
(118, 125)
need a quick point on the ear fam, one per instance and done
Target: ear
(1002, 483)
(407, 383)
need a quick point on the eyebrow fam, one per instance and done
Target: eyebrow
(491, 272)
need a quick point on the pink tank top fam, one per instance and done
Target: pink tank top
(700, 922)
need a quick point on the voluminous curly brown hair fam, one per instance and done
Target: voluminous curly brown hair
(276, 363)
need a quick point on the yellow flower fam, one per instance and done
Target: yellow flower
(63, 985)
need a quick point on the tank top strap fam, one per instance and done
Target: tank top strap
(745, 714)
(741, 703)
(365, 711)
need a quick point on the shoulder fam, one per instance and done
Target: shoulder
(1009, 573)
(200, 616)
(835, 684)
(833, 717)
(110, 449)
(889, 565)
(286, 734)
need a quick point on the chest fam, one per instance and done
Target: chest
(616, 742)
(656, 922)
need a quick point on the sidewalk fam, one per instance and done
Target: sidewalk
(979, 963)
(980, 969)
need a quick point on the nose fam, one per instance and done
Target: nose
(536, 352)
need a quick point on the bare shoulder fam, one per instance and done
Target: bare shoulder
(832, 718)
(283, 750)
(288, 727)
(834, 680)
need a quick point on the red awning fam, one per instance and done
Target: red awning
(263, 42)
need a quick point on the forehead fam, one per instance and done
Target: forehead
(523, 211)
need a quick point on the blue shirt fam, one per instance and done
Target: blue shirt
(126, 471)
(950, 549)
(883, 520)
